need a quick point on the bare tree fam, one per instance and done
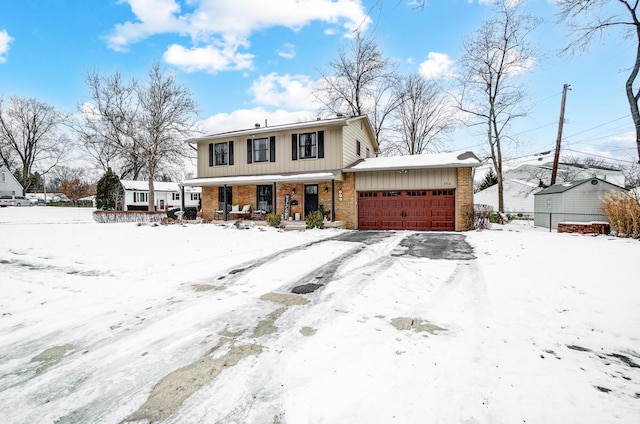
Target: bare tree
(423, 117)
(492, 60)
(138, 126)
(588, 19)
(360, 81)
(105, 125)
(29, 137)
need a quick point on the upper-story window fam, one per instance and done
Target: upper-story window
(221, 153)
(175, 196)
(261, 150)
(307, 143)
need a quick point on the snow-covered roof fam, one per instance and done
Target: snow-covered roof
(430, 160)
(157, 186)
(307, 177)
(562, 187)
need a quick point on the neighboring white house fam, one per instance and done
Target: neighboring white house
(576, 201)
(9, 186)
(167, 195)
(517, 196)
(523, 177)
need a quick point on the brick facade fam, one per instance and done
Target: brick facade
(346, 200)
(584, 228)
(464, 197)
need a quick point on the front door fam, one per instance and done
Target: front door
(310, 198)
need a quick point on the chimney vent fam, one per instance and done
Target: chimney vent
(257, 126)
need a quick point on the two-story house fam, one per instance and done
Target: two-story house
(331, 164)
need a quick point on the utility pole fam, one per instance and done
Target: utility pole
(556, 159)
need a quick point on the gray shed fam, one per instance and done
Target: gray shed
(575, 201)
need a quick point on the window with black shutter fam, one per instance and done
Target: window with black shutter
(320, 144)
(272, 149)
(249, 150)
(294, 146)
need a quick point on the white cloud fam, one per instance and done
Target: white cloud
(247, 118)
(292, 92)
(210, 58)
(230, 23)
(287, 51)
(437, 66)
(5, 40)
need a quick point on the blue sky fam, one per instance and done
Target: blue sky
(250, 60)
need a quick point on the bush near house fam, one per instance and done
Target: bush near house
(623, 213)
(273, 220)
(315, 220)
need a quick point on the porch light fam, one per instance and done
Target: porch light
(293, 190)
(326, 189)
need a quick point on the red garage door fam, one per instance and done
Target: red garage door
(407, 210)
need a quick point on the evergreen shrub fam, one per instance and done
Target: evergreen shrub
(315, 220)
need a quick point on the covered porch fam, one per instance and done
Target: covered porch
(292, 196)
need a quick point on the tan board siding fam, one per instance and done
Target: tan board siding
(409, 180)
(353, 133)
(283, 164)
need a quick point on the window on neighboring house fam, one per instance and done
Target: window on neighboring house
(358, 148)
(195, 196)
(261, 150)
(368, 153)
(140, 197)
(175, 196)
(307, 143)
(221, 153)
(4, 177)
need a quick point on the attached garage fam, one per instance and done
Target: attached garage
(420, 192)
(407, 210)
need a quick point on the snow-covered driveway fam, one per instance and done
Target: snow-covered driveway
(110, 323)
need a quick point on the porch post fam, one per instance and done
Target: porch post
(224, 211)
(333, 200)
(274, 199)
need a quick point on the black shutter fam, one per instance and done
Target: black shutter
(358, 149)
(272, 148)
(249, 150)
(294, 146)
(320, 144)
(231, 153)
(210, 154)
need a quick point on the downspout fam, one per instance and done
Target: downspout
(333, 200)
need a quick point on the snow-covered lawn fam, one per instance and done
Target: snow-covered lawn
(110, 323)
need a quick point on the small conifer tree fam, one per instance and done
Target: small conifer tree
(107, 191)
